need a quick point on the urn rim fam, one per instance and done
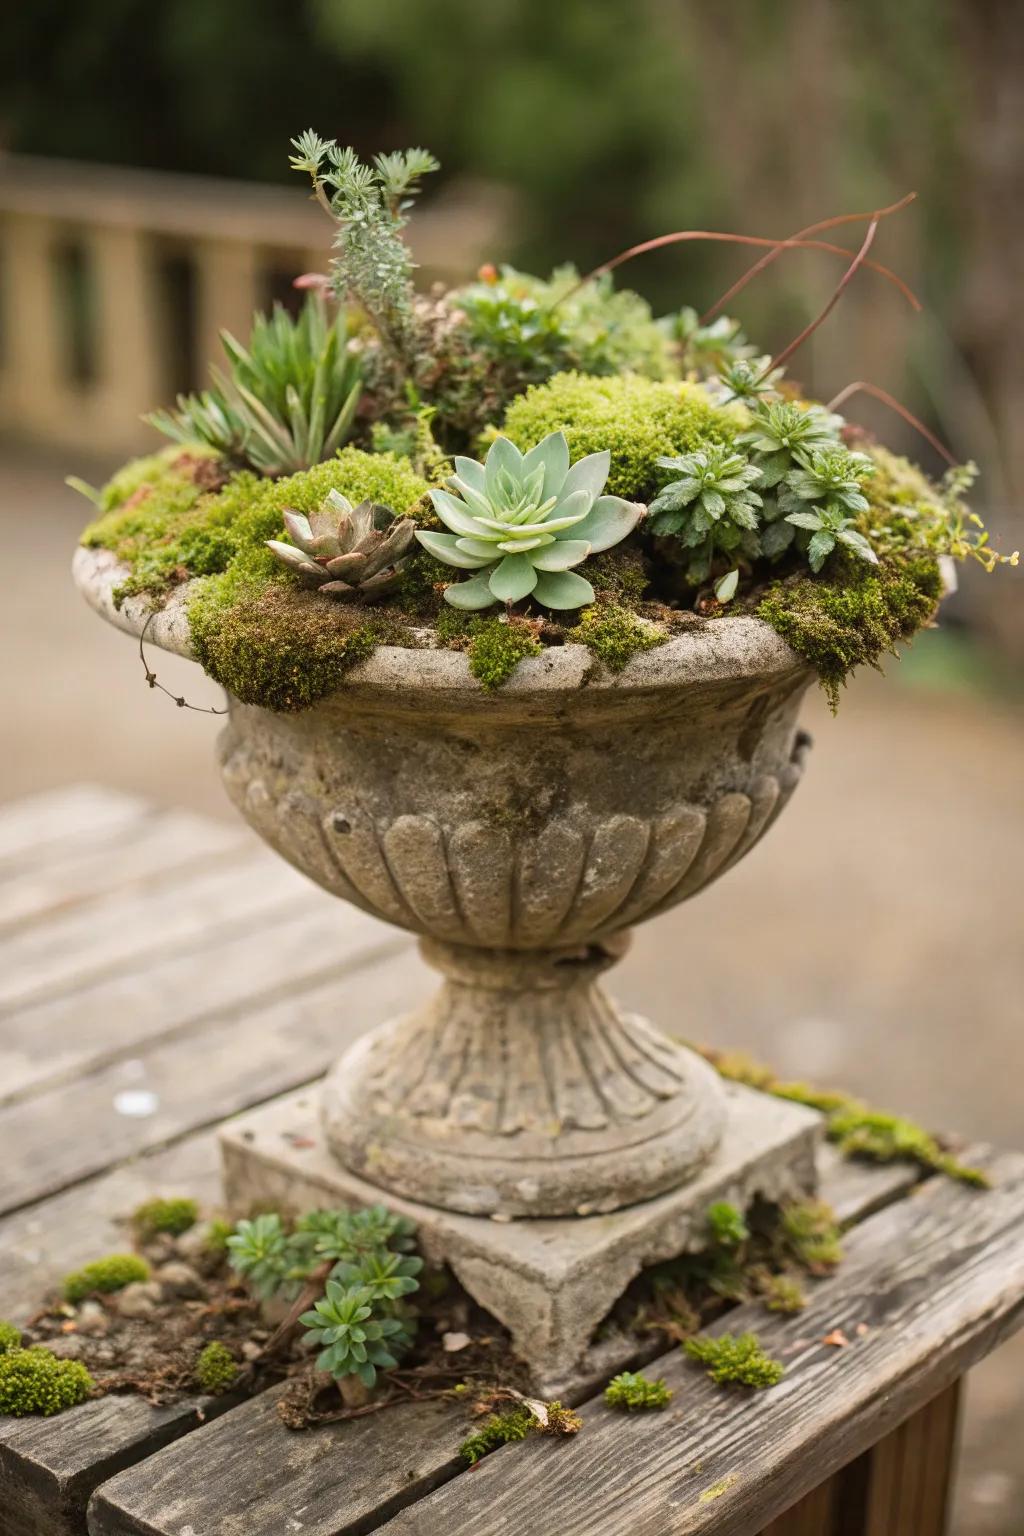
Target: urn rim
(730, 647)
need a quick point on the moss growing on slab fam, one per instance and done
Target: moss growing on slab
(216, 1368)
(614, 634)
(106, 1275)
(735, 1360)
(781, 1293)
(636, 419)
(634, 1391)
(34, 1381)
(854, 616)
(859, 1130)
(810, 1231)
(174, 1216)
(496, 646)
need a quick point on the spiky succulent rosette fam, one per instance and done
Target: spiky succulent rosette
(346, 551)
(520, 522)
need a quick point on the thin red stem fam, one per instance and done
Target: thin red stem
(840, 288)
(802, 234)
(862, 387)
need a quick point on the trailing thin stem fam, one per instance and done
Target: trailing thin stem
(862, 387)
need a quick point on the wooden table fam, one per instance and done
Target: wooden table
(161, 972)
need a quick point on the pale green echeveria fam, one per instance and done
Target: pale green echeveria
(521, 521)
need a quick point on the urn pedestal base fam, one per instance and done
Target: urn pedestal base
(550, 1281)
(521, 1089)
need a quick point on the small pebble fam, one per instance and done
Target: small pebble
(179, 1280)
(140, 1298)
(92, 1318)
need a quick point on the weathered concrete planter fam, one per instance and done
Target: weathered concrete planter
(521, 835)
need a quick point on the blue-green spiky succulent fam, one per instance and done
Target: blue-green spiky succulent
(520, 522)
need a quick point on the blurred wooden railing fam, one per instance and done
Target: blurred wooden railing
(114, 284)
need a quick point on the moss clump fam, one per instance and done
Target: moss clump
(632, 1390)
(614, 634)
(215, 1237)
(781, 1293)
(735, 1360)
(10, 1336)
(726, 1224)
(884, 1138)
(216, 1368)
(811, 1233)
(174, 1216)
(635, 418)
(619, 574)
(496, 647)
(35, 1381)
(499, 1429)
(855, 615)
(112, 1273)
(859, 1130)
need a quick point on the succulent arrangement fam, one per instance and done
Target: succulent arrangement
(545, 446)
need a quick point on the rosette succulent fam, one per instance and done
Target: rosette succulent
(352, 1338)
(521, 521)
(346, 551)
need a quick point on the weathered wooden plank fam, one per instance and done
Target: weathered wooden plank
(41, 1243)
(62, 1136)
(182, 1489)
(938, 1279)
(857, 1188)
(335, 1481)
(263, 956)
(35, 828)
(46, 1479)
(911, 1470)
(139, 926)
(146, 850)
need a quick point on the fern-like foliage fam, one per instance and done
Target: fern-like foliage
(370, 203)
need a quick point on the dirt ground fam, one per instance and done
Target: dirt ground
(874, 940)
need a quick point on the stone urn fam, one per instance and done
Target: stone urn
(520, 834)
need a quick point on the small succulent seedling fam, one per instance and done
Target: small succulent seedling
(258, 1251)
(352, 1339)
(727, 1224)
(522, 521)
(346, 551)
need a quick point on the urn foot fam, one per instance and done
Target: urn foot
(520, 1089)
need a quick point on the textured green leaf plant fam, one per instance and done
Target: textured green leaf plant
(820, 495)
(352, 1338)
(711, 507)
(520, 522)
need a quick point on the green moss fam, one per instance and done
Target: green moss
(10, 1336)
(810, 1231)
(619, 574)
(215, 1237)
(499, 1429)
(34, 1381)
(781, 1293)
(216, 1368)
(635, 418)
(632, 1390)
(496, 648)
(726, 1224)
(112, 1273)
(855, 614)
(859, 1130)
(174, 1216)
(735, 1360)
(614, 634)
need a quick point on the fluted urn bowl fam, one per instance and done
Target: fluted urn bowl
(521, 834)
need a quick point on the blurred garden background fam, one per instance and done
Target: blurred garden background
(145, 200)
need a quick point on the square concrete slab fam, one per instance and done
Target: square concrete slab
(550, 1282)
